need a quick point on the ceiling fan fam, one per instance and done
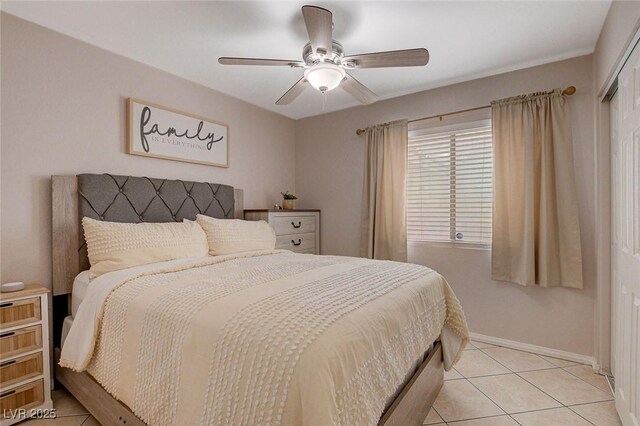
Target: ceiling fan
(325, 63)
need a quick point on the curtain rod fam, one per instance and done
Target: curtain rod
(568, 92)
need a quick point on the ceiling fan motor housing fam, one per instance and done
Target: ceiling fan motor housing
(335, 56)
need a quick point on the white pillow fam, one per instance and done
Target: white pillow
(112, 246)
(227, 236)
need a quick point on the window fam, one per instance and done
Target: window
(449, 185)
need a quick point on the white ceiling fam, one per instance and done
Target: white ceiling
(466, 40)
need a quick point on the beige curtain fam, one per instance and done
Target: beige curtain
(383, 233)
(536, 234)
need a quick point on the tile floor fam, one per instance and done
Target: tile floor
(495, 386)
(490, 386)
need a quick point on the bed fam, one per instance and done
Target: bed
(268, 337)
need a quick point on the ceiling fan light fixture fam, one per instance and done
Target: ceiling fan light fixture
(324, 76)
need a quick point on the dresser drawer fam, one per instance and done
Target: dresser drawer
(307, 251)
(20, 312)
(296, 242)
(284, 225)
(20, 341)
(25, 396)
(19, 369)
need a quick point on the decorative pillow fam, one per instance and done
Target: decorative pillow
(227, 236)
(112, 246)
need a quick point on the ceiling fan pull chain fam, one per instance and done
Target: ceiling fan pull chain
(324, 98)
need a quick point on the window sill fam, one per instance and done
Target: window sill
(436, 244)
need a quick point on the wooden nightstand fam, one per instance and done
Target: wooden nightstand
(296, 230)
(25, 379)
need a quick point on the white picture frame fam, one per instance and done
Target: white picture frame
(161, 132)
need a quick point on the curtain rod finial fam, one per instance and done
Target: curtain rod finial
(569, 91)
(360, 132)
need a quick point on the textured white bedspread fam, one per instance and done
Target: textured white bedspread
(262, 337)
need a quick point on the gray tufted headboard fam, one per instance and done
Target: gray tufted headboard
(127, 199)
(140, 199)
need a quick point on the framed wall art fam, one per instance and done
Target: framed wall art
(161, 132)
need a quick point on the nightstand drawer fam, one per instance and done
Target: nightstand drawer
(25, 396)
(20, 312)
(284, 225)
(19, 369)
(296, 242)
(19, 341)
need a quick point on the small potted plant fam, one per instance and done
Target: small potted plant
(288, 200)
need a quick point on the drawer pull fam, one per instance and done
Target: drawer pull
(6, 305)
(11, 333)
(298, 243)
(11, 392)
(294, 225)
(4, 364)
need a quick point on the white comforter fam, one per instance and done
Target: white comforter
(262, 337)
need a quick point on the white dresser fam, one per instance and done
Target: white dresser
(296, 230)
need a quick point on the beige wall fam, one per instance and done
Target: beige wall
(622, 23)
(329, 167)
(63, 112)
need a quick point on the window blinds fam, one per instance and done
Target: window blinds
(449, 186)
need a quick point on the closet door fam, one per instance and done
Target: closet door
(625, 157)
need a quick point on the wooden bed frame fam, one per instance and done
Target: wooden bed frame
(409, 407)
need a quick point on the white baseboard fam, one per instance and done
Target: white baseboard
(540, 350)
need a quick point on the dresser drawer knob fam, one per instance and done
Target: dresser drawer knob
(4, 364)
(298, 226)
(11, 333)
(298, 243)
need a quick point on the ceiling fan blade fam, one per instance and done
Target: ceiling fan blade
(358, 90)
(320, 28)
(293, 92)
(393, 58)
(256, 61)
